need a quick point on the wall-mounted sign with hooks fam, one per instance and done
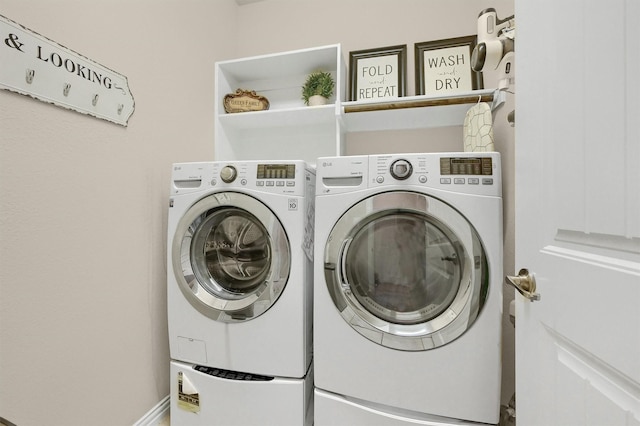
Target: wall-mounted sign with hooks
(43, 69)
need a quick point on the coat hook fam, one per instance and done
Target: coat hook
(30, 74)
(120, 107)
(66, 88)
(95, 100)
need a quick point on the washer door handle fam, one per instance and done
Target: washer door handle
(343, 264)
(525, 283)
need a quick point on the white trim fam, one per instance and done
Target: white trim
(157, 413)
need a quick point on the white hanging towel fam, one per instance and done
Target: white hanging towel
(478, 129)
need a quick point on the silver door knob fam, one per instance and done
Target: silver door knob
(525, 284)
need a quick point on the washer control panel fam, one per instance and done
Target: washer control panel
(269, 176)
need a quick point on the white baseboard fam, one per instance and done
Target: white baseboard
(156, 414)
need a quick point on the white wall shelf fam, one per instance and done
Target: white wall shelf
(414, 112)
(302, 116)
(290, 130)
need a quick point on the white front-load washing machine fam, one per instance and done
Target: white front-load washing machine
(239, 289)
(408, 289)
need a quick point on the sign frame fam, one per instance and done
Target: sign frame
(445, 74)
(378, 73)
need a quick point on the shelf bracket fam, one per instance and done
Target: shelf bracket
(499, 98)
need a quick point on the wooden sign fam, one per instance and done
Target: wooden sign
(35, 66)
(244, 101)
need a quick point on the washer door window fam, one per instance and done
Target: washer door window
(231, 257)
(406, 270)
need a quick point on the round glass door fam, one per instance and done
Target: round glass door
(406, 270)
(231, 257)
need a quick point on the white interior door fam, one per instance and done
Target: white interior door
(578, 211)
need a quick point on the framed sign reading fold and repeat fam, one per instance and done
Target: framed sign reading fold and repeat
(377, 74)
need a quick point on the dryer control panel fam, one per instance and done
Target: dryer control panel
(465, 172)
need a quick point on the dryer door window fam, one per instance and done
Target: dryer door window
(403, 267)
(406, 270)
(231, 257)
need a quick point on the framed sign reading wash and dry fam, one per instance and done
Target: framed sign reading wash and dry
(444, 66)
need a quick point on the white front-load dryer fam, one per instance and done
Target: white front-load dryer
(239, 278)
(408, 289)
